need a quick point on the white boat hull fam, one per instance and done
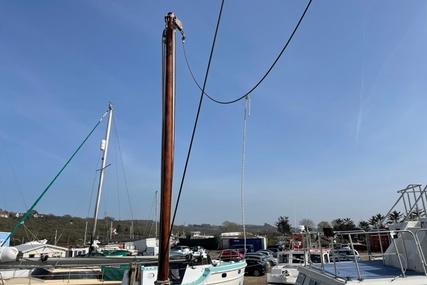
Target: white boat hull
(226, 273)
(57, 276)
(6, 274)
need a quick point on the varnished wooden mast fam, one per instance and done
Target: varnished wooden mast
(168, 134)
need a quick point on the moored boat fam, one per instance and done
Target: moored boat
(402, 262)
(195, 238)
(286, 271)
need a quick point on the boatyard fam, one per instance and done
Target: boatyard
(336, 132)
(252, 280)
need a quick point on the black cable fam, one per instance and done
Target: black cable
(265, 75)
(197, 116)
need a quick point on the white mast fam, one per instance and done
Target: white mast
(104, 148)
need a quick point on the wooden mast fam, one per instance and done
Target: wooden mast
(168, 134)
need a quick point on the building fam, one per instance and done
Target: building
(41, 248)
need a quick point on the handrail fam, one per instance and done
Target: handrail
(418, 243)
(394, 235)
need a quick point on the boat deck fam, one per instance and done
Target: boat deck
(373, 269)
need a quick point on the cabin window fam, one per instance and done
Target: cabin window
(315, 258)
(284, 259)
(300, 279)
(298, 258)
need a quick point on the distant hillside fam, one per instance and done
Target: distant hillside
(73, 231)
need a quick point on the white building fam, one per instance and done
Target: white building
(38, 249)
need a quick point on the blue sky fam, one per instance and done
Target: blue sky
(335, 130)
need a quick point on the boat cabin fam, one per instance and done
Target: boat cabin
(301, 256)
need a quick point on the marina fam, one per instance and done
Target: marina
(245, 103)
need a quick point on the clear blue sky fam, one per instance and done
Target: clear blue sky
(335, 130)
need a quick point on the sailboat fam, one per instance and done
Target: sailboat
(17, 269)
(195, 270)
(94, 249)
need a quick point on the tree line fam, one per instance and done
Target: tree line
(68, 231)
(377, 221)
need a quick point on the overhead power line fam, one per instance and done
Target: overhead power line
(261, 80)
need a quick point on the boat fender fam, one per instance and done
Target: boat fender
(44, 257)
(8, 254)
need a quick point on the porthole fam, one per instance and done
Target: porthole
(224, 275)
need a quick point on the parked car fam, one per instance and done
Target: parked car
(198, 250)
(182, 249)
(269, 255)
(259, 257)
(255, 267)
(268, 252)
(230, 254)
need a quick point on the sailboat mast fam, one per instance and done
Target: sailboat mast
(168, 134)
(104, 148)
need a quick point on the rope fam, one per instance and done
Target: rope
(22, 220)
(242, 181)
(196, 120)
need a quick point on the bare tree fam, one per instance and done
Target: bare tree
(322, 225)
(308, 224)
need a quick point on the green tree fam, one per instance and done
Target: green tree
(343, 224)
(377, 221)
(283, 225)
(364, 225)
(230, 227)
(394, 217)
(415, 214)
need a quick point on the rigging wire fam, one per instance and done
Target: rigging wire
(242, 181)
(116, 158)
(153, 226)
(21, 221)
(197, 116)
(92, 192)
(261, 80)
(123, 169)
